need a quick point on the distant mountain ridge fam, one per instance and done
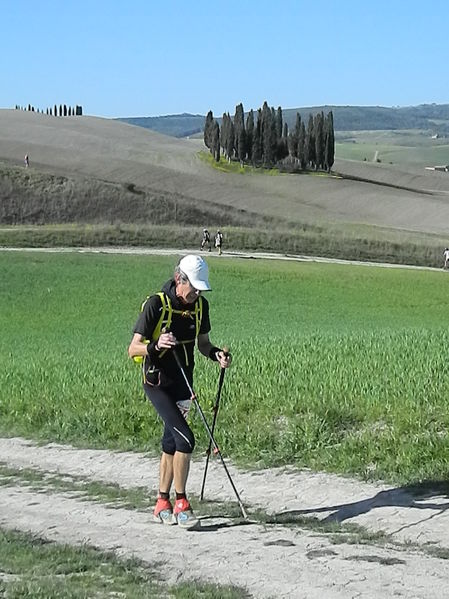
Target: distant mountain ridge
(176, 125)
(431, 117)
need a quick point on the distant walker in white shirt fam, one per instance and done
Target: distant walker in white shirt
(446, 258)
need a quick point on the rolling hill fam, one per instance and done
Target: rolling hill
(94, 170)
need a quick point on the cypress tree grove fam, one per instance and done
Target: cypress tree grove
(267, 140)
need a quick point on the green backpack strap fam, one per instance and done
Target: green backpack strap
(164, 321)
(166, 318)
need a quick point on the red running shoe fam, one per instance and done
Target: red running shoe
(163, 512)
(184, 515)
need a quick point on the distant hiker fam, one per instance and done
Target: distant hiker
(206, 240)
(218, 241)
(173, 320)
(27, 161)
(446, 258)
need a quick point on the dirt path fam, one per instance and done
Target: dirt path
(270, 560)
(225, 254)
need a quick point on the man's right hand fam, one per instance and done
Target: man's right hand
(166, 341)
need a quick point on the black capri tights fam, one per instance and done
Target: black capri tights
(178, 435)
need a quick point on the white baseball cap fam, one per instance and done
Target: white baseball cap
(197, 271)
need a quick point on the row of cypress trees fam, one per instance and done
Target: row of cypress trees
(64, 110)
(266, 140)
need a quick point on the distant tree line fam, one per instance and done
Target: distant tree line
(61, 110)
(266, 141)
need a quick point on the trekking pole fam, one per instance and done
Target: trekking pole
(217, 401)
(209, 432)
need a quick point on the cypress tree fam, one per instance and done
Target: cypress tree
(294, 136)
(274, 142)
(319, 140)
(230, 139)
(249, 134)
(310, 144)
(267, 155)
(274, 135)
(257, 141)
(282, 150)
(55, 111)
(297, 126)
(329, 152)
(216, 141)
(208, 130)
(302, 146)
(240, 133)
(224, 133)
(279, 123)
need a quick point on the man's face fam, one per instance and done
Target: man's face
(185, 291)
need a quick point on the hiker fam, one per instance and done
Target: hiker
(26, 161)
(218, 241)
(173, 320)
(446, 258)
(206, 240)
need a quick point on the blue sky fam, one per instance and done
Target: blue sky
(157, 57)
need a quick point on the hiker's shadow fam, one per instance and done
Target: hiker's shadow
(428, 495)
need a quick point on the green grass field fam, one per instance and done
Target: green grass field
(411, 147)
(342, 368)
